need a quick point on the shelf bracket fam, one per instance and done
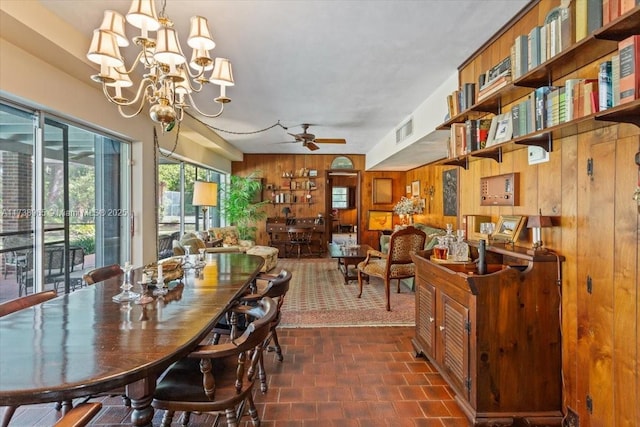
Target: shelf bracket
(461, 161)
(493, 154)
(545, 143)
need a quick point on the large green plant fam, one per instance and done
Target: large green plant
(239, 206)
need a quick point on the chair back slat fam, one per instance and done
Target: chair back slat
(102, 273)
(17, 304)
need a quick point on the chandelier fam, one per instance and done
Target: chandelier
(167, 81)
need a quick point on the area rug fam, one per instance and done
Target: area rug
(318, 297)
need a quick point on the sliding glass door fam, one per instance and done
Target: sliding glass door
(68, 208)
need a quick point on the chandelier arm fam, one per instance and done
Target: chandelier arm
(134, 64)
(123, 102)
(211, 116)
(128, 116)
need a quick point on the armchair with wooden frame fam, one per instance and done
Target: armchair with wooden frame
(397, 263)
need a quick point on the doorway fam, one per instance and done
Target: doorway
(342, 202)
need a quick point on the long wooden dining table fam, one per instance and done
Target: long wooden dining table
(83, 343)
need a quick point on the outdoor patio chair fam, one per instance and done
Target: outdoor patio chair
(397, 264)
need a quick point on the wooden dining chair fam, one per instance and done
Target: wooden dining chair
(218, 378)
(102, 273)
(12, 306)
(299, 238)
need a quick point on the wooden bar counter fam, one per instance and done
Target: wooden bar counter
(81, 343)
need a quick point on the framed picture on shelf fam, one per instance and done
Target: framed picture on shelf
(508, 229)
(415, 189)
(501, 129)
(380, 220)
(382, 190)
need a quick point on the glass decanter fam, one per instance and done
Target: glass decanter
(460, 249)
(441, 250)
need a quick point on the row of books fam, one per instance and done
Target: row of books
(542, 42)
(461, 99)
(593, 14)
(618, 82)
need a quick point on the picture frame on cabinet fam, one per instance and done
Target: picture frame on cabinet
(501, 129)
(508, 229)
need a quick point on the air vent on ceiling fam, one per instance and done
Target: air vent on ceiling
(404, 130)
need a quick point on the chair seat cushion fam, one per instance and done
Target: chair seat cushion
(377, 267)
(183, 383)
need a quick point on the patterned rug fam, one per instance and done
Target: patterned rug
(318, 297)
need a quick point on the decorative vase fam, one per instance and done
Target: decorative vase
(410, 219)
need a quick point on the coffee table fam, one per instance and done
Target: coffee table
(348, 257)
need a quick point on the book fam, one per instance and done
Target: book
(615, 79)
(533, 48)
(605, 87)
(588, 17)
(469, 95)
(472, 135)
(543, 44)
(590, 97)
(566, 36)
(627, 5)
(458, 135)
(495, 86)
(629, 52)
(569, 99)
(614, 10)
(515, 119)
(521, 55)
(482, 132)
(540, 107)
(562, 105)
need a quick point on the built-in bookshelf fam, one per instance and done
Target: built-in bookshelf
(601, 43)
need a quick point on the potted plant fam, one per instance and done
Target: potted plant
(239, 206)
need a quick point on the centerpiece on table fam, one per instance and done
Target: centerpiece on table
(407, 207)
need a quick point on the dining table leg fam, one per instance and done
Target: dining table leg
(141, 395)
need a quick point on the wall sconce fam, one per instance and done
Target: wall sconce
(536, 223)
(286, 211)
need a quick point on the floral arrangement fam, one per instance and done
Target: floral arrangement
(408, 206)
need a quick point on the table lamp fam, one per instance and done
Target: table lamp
(536, 223)
(205, 194)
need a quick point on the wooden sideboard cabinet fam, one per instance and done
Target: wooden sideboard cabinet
(495, 338)
(278, 237)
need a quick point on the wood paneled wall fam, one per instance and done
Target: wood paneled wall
(596, 229)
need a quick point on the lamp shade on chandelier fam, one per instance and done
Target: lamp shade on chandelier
(168, 79)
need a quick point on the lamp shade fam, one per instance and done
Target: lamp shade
(205, 193)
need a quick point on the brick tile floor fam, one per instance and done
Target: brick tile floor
(360, 377)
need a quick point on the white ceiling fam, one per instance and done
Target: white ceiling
(353, 69)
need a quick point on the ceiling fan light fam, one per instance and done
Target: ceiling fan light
(113, 22)
(222, 73)
(199, 35)
(142, 14)
(168, 49)
(104, 49)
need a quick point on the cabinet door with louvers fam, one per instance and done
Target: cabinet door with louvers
(454, 343)
(426, 318)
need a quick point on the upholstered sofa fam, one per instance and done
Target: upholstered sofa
(228, 236)
(432, 233)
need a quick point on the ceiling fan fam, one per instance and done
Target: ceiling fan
(309, 140)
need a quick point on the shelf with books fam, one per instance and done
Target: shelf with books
(620, 28)
(468, 114)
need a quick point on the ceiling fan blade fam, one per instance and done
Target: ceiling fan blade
(311, 146)
(330, 140)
